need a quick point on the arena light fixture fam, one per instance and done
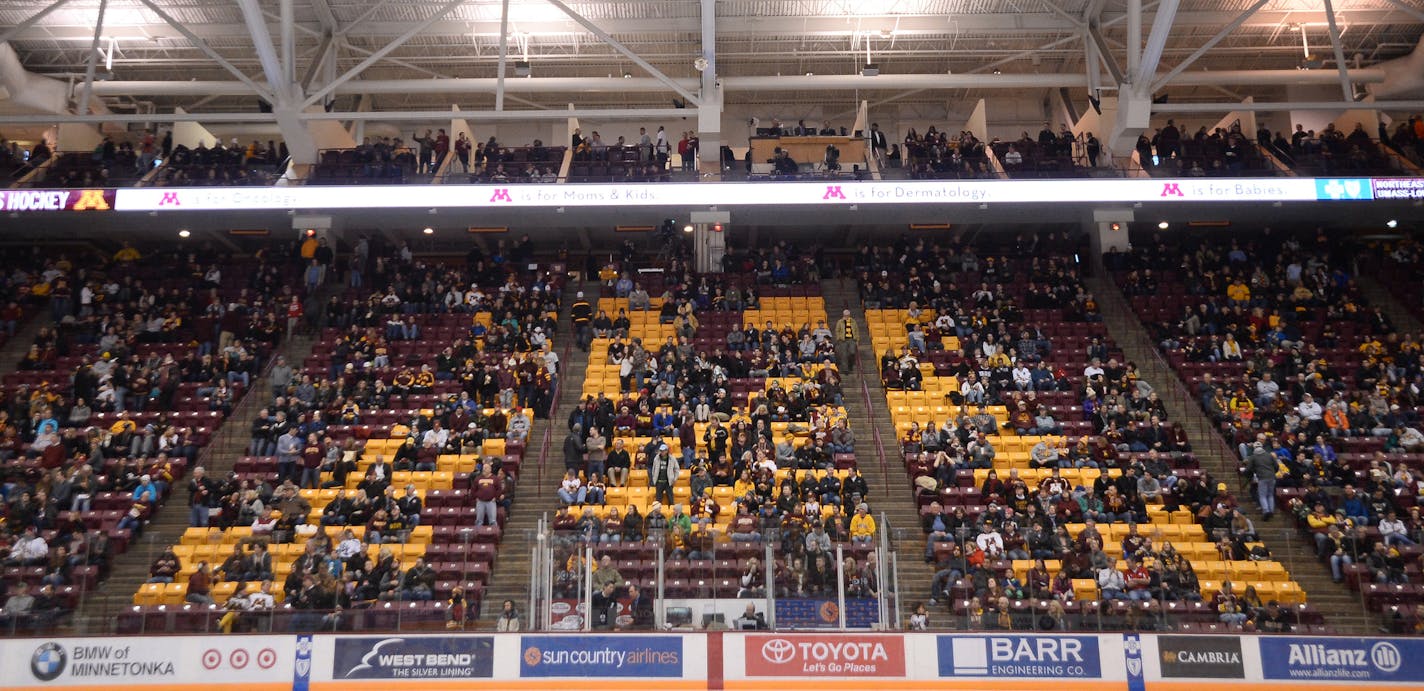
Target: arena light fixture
(1164, 225)
(428, 230)
(1391, 223)
(184, 232)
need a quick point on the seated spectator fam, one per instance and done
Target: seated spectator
(750, 620)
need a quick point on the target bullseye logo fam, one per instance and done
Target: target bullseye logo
(266, 658)
(212, 659)
(238, 658)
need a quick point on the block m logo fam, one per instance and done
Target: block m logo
(1172, 189)
(500, 195)
(91, 200)
(833, 192)
(170, 199)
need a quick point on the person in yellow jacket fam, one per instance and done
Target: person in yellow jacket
(1238, 292)
(862, 524)
(127, 254)
(308, 248)
(846, 342)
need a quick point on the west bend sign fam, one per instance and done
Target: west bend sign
(724, 195)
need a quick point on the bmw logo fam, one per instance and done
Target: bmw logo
(48, 661)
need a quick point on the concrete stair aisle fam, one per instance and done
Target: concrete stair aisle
(543, 466)
(1379, 296)
(96, 613)
(1342, 608)
(878, 456)
(16, 346)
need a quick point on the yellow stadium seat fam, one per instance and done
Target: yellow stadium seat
(199, 536)
(149, 594)
(1085, 589)
(174, 593)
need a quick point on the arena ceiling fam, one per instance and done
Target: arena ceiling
(146, 50)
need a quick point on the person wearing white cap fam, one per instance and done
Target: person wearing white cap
(146, 491)
(582, 314)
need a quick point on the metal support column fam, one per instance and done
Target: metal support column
(503, 54)
(93, 63)
(1340, 65)
(840, 587)
(587, 589)
(1134, 38)
(660, 611)
(769, 563)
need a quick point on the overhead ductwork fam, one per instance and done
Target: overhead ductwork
(22, 91)
(739, 84)
(1403, 77)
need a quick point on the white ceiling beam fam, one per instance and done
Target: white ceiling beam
(884, 82)
(366, 116)
(24, 26)
(1285, 107)
(656, 73)
(86, 101)
(371, 59)
(288, 30)
(814, 27)
(325, 51)
(1225, 31)
(1410, 10)
(358, 21)
(266, 53)
(202, 45)
(1340, 65)
(1134, 39)
(1104, 52)
(709, 46)
(323, 13)
(1156, 41)
(503, 53)
(1052, 6)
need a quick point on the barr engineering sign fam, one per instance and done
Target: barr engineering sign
(1046, 657)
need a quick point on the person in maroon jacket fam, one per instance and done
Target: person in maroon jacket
(312, 455)
(487, 489)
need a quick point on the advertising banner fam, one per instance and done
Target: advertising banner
(626, 655)
(1291, 658)
(1398, 188)
(414, 657)
(1200, 657)
(1061, 657)
(57, 200)
(247, 661)
(1166, 190)
(834, 655)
